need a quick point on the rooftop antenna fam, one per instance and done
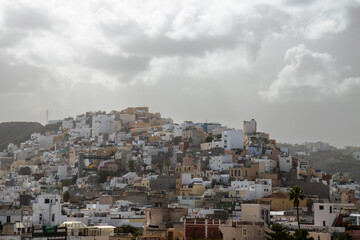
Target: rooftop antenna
(47, 117)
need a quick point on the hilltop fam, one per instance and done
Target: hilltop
(18, 132)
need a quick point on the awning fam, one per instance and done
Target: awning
(19, 225)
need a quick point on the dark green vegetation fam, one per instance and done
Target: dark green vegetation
(66, 196)
(25, 171)
(279, 232)
(103, 174)
(18, 132)
(344, 236)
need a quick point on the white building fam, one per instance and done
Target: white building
(221, 163)
(102, 124)
(47, 210)
(285, 164)
(44, 141)
(68, 123)
(249, 127)
(325, 214)
(232, 139)
(80, 133)
(62, 172)
(251, 190)
(356, 155)
(12, 148)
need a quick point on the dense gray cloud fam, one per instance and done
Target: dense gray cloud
(309, 76)
(226, 61)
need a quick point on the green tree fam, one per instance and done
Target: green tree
(25, 171)
(67, 182)
(278, 232)
(296, 194)
(302, 234)
(213, 182)
(136, 234)
(344, 236)
(66, 196)
(167, 164)
(209, 139)
(160, 165)
(144, 165)
(103, 174)
(131, 165)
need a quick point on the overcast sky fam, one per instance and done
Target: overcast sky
(293, 65)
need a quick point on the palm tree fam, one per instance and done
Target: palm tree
(144, 165)
(160, 165)
(296, 194)
(66, 196)
(131, 165)
(302, 234)
(344, 236)
(167, 164)
(278, 232)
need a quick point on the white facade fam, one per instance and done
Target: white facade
(221, 163)
(324, 214)
(62, 172)
(249, 127)
(80, 133)
(12, 148)
(47, 210)
(285, 164)
(68, 123)
(45, 141)
(102, 124)
(251, 190)
(357, 156)
(232, 139)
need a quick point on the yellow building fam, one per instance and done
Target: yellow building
(196, 190)
(280, 202)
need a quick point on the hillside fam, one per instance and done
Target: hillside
(18, 132)
(331, 161)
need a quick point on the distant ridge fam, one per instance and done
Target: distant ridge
(18, 132)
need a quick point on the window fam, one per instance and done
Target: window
(244, 232)
(324, 223)
(47, 200)
(321, 207)
(53, 217)
(212, 233)
(8, 219)
(330, 210)
(259, 233)
(40, 217)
